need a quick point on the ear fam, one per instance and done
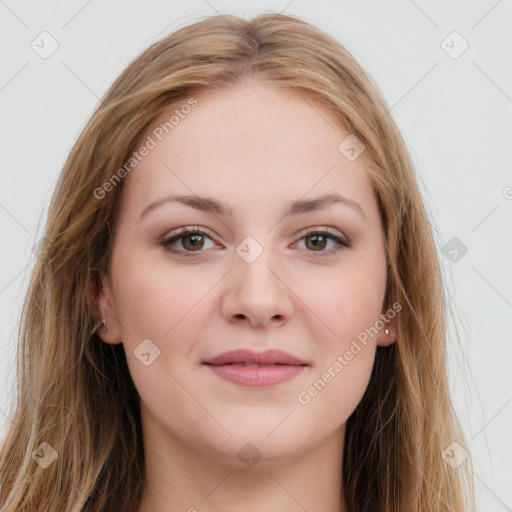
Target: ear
(389, 318)
(103, 306)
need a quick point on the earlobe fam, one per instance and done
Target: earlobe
(385, 339)
(387, 335)
(105, 325)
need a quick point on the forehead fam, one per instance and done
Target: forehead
(252, 139)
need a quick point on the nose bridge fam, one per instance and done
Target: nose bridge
(256, 291)
(256, 275)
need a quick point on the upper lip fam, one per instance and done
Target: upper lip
(248, 357)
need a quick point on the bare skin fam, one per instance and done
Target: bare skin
(255, 149)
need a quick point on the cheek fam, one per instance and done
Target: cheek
(153, 301)
(345, 302)
(167, 308)
(349, 303)
(337, 389)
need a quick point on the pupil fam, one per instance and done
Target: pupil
(197, 240)
(316, 237)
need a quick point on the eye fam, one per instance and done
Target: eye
(192, 240)
(318, 238)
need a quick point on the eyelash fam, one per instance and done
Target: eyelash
(166, 243)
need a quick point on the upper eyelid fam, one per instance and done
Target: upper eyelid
(305, 232)
(184, 230)
(330, 230)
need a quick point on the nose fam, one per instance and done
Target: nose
(257, 294)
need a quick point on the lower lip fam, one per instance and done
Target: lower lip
(257, 376)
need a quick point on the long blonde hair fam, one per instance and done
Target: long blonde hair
(75, 392)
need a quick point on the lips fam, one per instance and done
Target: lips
(243, 357)
(256, 369)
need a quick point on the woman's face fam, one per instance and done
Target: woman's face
(255, 278)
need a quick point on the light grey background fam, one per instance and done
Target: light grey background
(454, 113)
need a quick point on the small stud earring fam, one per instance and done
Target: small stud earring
(387, 332)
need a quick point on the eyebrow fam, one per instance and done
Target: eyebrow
(298, 207)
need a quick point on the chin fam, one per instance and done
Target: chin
(268, 445)
(250, 452)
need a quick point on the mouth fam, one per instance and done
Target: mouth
(253, 369)
(246, 357)
(256, 365)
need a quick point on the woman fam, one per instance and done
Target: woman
(238, 303)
